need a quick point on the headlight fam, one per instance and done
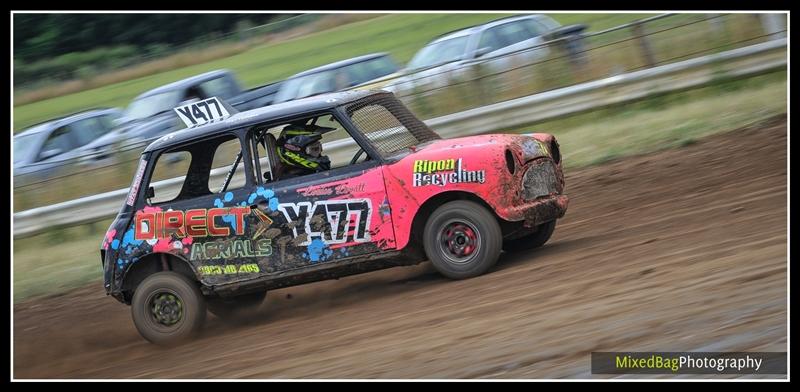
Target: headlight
(540, 180)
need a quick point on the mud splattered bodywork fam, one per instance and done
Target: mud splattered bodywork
(352, 219)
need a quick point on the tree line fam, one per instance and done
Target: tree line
(42, 36)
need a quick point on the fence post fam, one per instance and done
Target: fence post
(774, 24)
(644, 44)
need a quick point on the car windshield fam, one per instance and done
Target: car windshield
(152, 105)
(23, 146)
(336, 79)
(305, 86)
(440, 53)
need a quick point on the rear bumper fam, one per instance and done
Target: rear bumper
(540, 211)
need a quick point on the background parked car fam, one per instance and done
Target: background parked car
(337, 76)
(150, 114)
(43, 148)
(491, 44)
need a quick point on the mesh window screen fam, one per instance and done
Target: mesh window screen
(388, 124)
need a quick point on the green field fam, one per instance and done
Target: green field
(399, 34)
(61, 259)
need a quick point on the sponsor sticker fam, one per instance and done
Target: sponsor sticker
(444, 172)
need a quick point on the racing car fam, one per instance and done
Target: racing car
(217, 238)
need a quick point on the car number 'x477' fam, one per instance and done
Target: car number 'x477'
(201, 112)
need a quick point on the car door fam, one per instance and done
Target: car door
(201, 219)
(329, 216)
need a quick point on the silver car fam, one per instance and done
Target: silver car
(82, 138)
(451, 55)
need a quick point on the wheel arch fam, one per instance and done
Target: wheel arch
(150, 264)
(431, 204)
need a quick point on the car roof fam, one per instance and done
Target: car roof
(184, 83)
(268, 113)
(340, 64)
(478, 28)
(63, 120)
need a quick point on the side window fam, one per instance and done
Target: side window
(170, 165)
(225, 157)
(356, 74)
(88, 130)
(219, 87)
(342, 79)
(514, 32)
(107, 122)
(58, 143)
(298, 147)
(534, 28)
(490, 40)
(203, 166)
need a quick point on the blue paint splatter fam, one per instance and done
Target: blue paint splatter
(228, 196)
(318, 251)
(231, 220)
(273, 204)
(260, 191)
(218, 203)
(129, 240)
(243, 204)
(115, 244)
(252, 198)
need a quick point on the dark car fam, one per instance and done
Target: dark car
(150, 114)
(43, 148)
(392, 193)
(337, 76)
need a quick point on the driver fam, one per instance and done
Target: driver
(300, 149)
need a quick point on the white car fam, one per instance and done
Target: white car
(451, 55)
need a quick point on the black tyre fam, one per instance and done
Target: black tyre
(167, 308)
(532, 240)
(236, 308)
(462, 239)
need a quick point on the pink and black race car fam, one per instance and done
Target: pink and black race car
(215, 216)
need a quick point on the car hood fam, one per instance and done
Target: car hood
(493, 146)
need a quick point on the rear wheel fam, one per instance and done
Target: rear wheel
(532, 240)
(167, 308)
(236, 308)
(462, 239)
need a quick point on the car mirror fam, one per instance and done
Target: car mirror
(151, 193)
(482, 51)
(50, 153)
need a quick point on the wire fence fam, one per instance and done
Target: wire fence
(550, 65)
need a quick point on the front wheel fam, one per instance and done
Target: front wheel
(462, 239)
(167, 308)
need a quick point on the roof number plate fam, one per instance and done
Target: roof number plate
(201, 112)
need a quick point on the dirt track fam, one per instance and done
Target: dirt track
(682, 250)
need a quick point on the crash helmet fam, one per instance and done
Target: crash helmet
(300, 146)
